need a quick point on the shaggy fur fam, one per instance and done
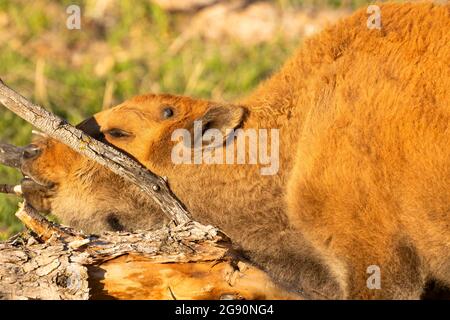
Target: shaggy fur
(364, 161)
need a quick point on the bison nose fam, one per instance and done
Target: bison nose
(31, 152)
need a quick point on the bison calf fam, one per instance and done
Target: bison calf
(360, 204)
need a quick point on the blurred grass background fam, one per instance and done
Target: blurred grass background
(132, 49)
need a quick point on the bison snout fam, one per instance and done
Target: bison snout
(36, 183)
(31, 152)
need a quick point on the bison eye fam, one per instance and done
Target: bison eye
(117, 133)
(167, 112)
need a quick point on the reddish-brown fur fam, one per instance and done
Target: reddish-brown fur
(364, 119)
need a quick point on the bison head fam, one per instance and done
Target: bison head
(85, 195)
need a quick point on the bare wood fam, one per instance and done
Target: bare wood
(191, 261)
(10, 155)
(57, 128)
(204, 280)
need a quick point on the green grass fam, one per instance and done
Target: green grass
(131, 51)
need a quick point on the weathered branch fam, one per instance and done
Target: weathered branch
(41, 226)
(57, 128)
(191, 261)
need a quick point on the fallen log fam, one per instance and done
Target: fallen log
(191, 261)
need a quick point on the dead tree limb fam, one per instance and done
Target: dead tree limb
(41, 226)
(57, 128)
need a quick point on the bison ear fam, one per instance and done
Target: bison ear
(218, 119)
(222, 117)
(90, 127)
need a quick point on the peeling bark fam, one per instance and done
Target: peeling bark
(191, 261)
